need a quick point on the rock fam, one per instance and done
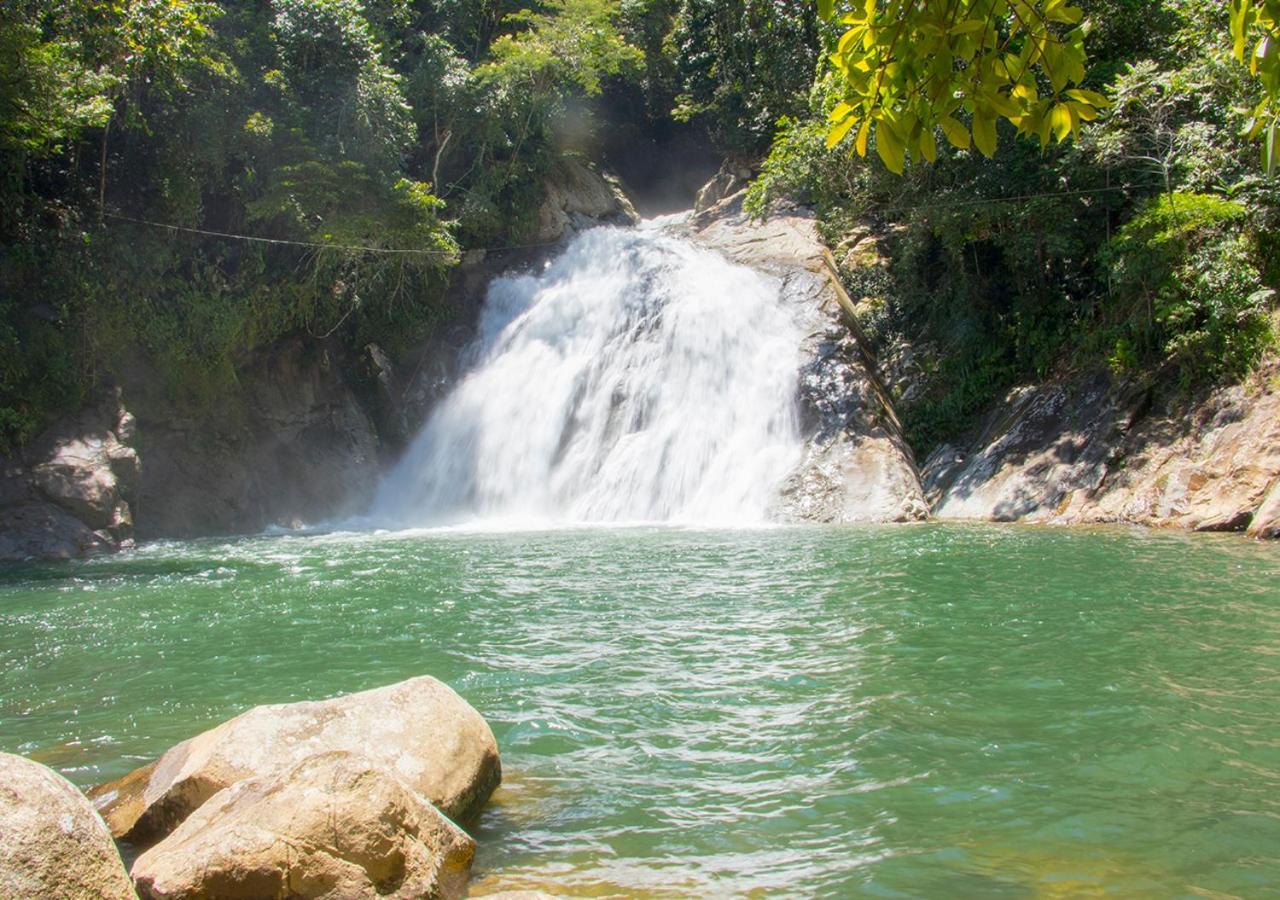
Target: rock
(784, 240)
(722, 185)
(1207, 464)
(53, 846)
(295, 442)
(1266, 521)
(420, 729)
(38, 530)
(333, 825)
(577, 198)
(857, 468)
(1091, 449)
(520, 895)
(71, 492)
(1042, 445)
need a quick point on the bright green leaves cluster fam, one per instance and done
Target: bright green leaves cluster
(570, 42)
(68, 63)
(1255, 35)
(911, 69)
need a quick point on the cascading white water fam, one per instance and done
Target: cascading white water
(637, 378)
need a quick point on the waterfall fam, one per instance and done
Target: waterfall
(637, 378)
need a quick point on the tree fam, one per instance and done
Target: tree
(908, 69)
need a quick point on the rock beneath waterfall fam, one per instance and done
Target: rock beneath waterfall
(419, 729)
(53, 846)
(334, 825)
(857, 467)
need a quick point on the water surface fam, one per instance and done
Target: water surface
(916, 711)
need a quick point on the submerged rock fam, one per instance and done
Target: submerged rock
(334, 825)
(419, 729)
(53, 846)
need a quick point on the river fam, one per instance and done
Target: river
(925, 710)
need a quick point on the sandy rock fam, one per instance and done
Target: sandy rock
(1207, 466)
(419, 729)
(784, 240)
(334, 825)
(53, 846)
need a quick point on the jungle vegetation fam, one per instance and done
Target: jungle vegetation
(1103, 196)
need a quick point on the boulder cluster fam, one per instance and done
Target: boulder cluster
(363, 795)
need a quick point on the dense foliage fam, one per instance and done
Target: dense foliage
(368, 143)
(1147, 244)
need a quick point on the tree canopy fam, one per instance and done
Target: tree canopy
(908, 70)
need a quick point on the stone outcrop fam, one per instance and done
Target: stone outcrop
(857, 467)
(296, 444)
(1091, 449)
(333, 825)
(419, 729)
(71, 491)
(578, 197)
(53, 845)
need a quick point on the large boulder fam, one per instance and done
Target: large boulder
(53, 845)
(1090, 448)
(334, 825)
(419, 729)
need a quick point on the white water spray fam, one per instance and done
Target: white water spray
(638, 378)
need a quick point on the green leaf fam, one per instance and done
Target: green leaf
(837, 132)
(984, 133)
(890, 147)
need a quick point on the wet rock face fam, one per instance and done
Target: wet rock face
(52, 843)
(857, 468)
(72, 490)
(419, 729)
(333, 825)
(297, 445)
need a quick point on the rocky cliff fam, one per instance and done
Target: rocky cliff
(1093, 449)
(301, 439)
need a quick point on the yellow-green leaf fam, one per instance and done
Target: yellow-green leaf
(984, 133)
(837, 132)
(956, 133)
(890, 147)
